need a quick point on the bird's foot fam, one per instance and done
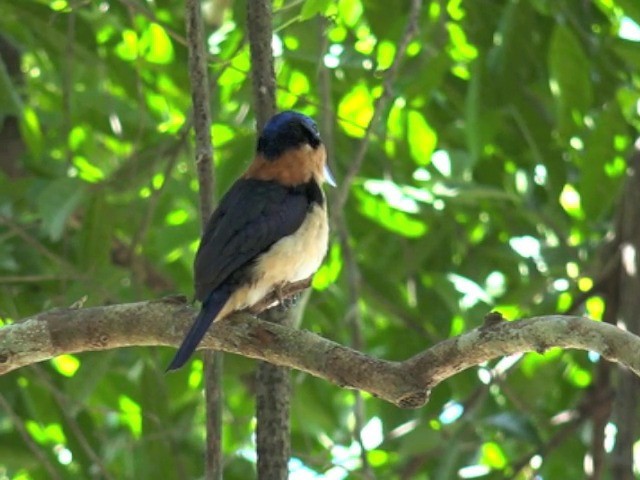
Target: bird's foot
(290, 302)
(171, 299)
(286, 301)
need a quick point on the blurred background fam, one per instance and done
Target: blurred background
(493, 180)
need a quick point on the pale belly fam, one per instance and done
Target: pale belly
(290, 259)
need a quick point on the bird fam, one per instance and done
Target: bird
(269, 229)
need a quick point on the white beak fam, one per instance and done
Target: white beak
(328, 176)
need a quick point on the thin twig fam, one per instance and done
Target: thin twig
(62, 401)
(36, 278)
(354, 317)
(379, 106)
(152, 202)
(67, 82)
(595, 405)
(610, 270)
(566, 432)
(149, 15)
(325, 106)
(33, 242)
(140, 87)
(26, 437)
(396, 310)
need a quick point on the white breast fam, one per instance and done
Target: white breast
(291, 259)
(298, 256)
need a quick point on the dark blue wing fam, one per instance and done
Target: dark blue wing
(252, 216)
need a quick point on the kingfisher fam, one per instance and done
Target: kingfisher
(270, 228)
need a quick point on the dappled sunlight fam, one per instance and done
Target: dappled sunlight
(629, 30)
(629, 259)
(481, 151)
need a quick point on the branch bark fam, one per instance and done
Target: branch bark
(206, 187)
(201, 110)
(273, 384)
(627, 314)
(406, 383)
(259, 17)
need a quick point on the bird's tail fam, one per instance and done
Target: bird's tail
(210, 309)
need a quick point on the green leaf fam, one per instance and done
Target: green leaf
(493, 455)
(31, 131)
(57, 202)
(130, 415)
(474, 110)
(350, 11)
(156, 45)
(569, 79)
(379, 211)
(10, 103)
(355, 110)
(422, 138)
(595, 185)
(128, 47)
(104, 95)
(631, 9)
(311, 8)
(86, 170)
(514, 424)
(628, 50)
(330, 270)
(94, 252)
(67, 365)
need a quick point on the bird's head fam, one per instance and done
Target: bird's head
(287, 131)
(291, 151)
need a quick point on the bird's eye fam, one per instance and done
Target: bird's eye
(313, 129)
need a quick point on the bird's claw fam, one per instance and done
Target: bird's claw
(289, 302)
(285, 301)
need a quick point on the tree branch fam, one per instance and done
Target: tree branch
(405, 384)
(627, 313)
(201, 111)
(213, 361)
(259, 17)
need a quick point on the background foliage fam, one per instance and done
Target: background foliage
(491, 182)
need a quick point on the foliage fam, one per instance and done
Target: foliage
(490, 184)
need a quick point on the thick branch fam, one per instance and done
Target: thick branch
(628, 314)
(405, 384)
